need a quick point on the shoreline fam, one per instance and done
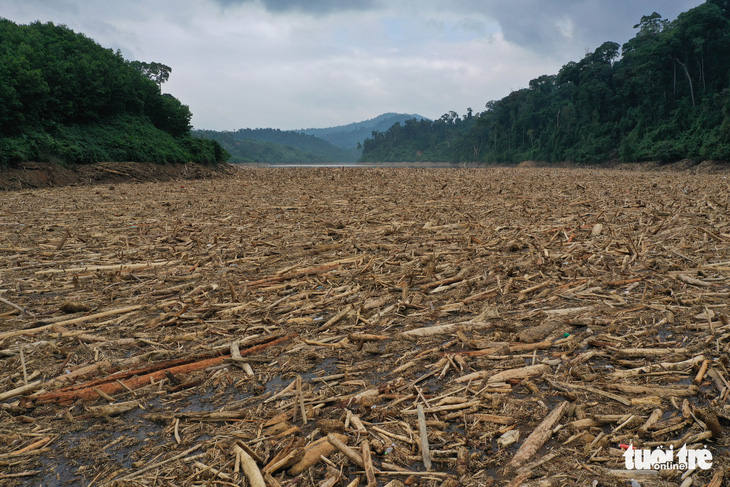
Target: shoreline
(30, 175)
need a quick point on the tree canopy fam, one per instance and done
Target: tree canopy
(157, 72)
(662, 96)
(418, 140)
(56, 84)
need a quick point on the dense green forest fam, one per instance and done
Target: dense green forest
(274, 146)
(662, 96)
(65, 99)
(418, 140)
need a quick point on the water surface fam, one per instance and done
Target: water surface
(425, 165)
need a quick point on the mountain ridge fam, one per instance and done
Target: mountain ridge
(275, 146)
(349, 136)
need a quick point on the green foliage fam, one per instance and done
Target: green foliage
(269, 153)
(274, 146)
(65, 98)
(157, 72)
(665, 97)
(169, 115)
(417, 140)
(121, 138)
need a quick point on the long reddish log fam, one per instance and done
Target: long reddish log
(123, 375)
(142, 377)
(85, 392)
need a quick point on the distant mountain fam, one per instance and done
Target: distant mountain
(348, 136)
(274, 146)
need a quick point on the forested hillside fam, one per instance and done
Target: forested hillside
(662, 96)
(65, 99)
(274, 146)
(418, 140)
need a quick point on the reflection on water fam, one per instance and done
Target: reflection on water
(360, 164)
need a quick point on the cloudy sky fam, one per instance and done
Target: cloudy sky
(294, 64)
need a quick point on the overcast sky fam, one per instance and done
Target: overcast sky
(293, 64)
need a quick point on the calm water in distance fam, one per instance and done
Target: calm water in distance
(357, 164)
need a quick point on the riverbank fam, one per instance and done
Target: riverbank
(43, 175)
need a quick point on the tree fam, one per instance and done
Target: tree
(168, 114)
(64, 97)
(651, 24)
(157, 72)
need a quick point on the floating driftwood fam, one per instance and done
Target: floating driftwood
(365, 327)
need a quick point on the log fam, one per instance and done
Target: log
(112, 267)
(716, 480)
(39, 329)
(354, 456)
(423, 433)
(313, 452)
(249, 467)
(113, 409)
(691, 390)
(428, 331)
(19, 391)
(620, 374)
(33, 446)
(141, 377)
(538, 437)
(369, 469)
(505, 375)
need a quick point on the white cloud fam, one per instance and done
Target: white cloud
(565, 26)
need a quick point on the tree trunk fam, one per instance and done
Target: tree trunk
(689, 79)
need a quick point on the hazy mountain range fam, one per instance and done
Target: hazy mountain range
(274, 146)
(348, 136)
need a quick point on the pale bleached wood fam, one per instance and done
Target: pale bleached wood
(538, 437)
(249, 467)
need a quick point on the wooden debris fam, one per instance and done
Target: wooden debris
(423, 435)
(368, 464)
(113, 409)
(651, 421)
(538, 437)
(349, 452)
(511, 374)
(22, 310)
(33, 446)
(659, 367)
(717, 479)
(356, 324)
(249, 467)
(659, 391)
(138, 378)
(313, 452)
(19, 391)
(33, 331)
(446, 329)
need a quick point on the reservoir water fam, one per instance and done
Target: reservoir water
(422, 165)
